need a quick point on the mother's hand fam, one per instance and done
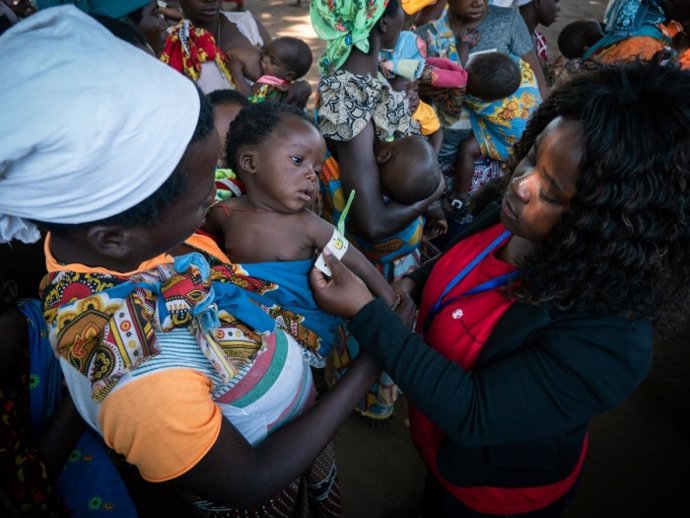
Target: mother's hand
(344, 294)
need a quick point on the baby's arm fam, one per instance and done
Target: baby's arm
(321, 231)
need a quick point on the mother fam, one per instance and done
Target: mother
(493, 28)
(356, 107)
(164, 356)
(527, 337)
(218, 33)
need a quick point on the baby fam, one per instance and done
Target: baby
(501, 95)
(409, 172)
(283, 61)
(271, 233)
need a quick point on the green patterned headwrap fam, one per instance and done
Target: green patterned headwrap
(344, 24)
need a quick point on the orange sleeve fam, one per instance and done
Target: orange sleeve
(630, 49)
(163, 423)
(414, 6)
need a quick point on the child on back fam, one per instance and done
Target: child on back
(270, 232)
(577, 37)
(410, 172)
(501, 95)
(283, 61)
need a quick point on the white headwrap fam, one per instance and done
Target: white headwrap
(89, 125)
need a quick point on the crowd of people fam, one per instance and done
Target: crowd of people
(219, 277)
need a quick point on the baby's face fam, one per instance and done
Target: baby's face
(409, 88)
(273, 62)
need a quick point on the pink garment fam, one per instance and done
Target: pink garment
(273, 81)
(446, 73)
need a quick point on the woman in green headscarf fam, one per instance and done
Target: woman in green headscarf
(357, 106)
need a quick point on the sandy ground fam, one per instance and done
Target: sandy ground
(639, 458)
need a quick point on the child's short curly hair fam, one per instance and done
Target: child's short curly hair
(253, 125)
(623, 246)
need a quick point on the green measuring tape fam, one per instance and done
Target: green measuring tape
(343, 215)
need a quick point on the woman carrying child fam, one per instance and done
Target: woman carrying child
(164, 354)
(526, 336)
(200, 46)
(472, 26)
(356, 107)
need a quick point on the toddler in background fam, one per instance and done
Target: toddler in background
(578, 36)
(270, 232)
(423, 113)
(501, 96)
(226, 105)
(407, 66)
(283, 61)
(410, 172)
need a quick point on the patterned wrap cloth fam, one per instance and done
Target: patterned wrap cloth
(344, 24)
(188, 47)
(497, 125)
(105, 324)
(294, 307)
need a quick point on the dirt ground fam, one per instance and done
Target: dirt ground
(639, 459)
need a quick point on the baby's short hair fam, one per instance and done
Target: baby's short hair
(578, 36)
(295, 53)
(492, 75)
(254, 124)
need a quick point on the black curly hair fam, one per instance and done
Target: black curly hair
(149, 209)
(623, 247)
(253, 125)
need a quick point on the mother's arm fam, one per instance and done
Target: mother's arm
(371, 217)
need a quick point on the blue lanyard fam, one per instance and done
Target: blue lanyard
(491, 284)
